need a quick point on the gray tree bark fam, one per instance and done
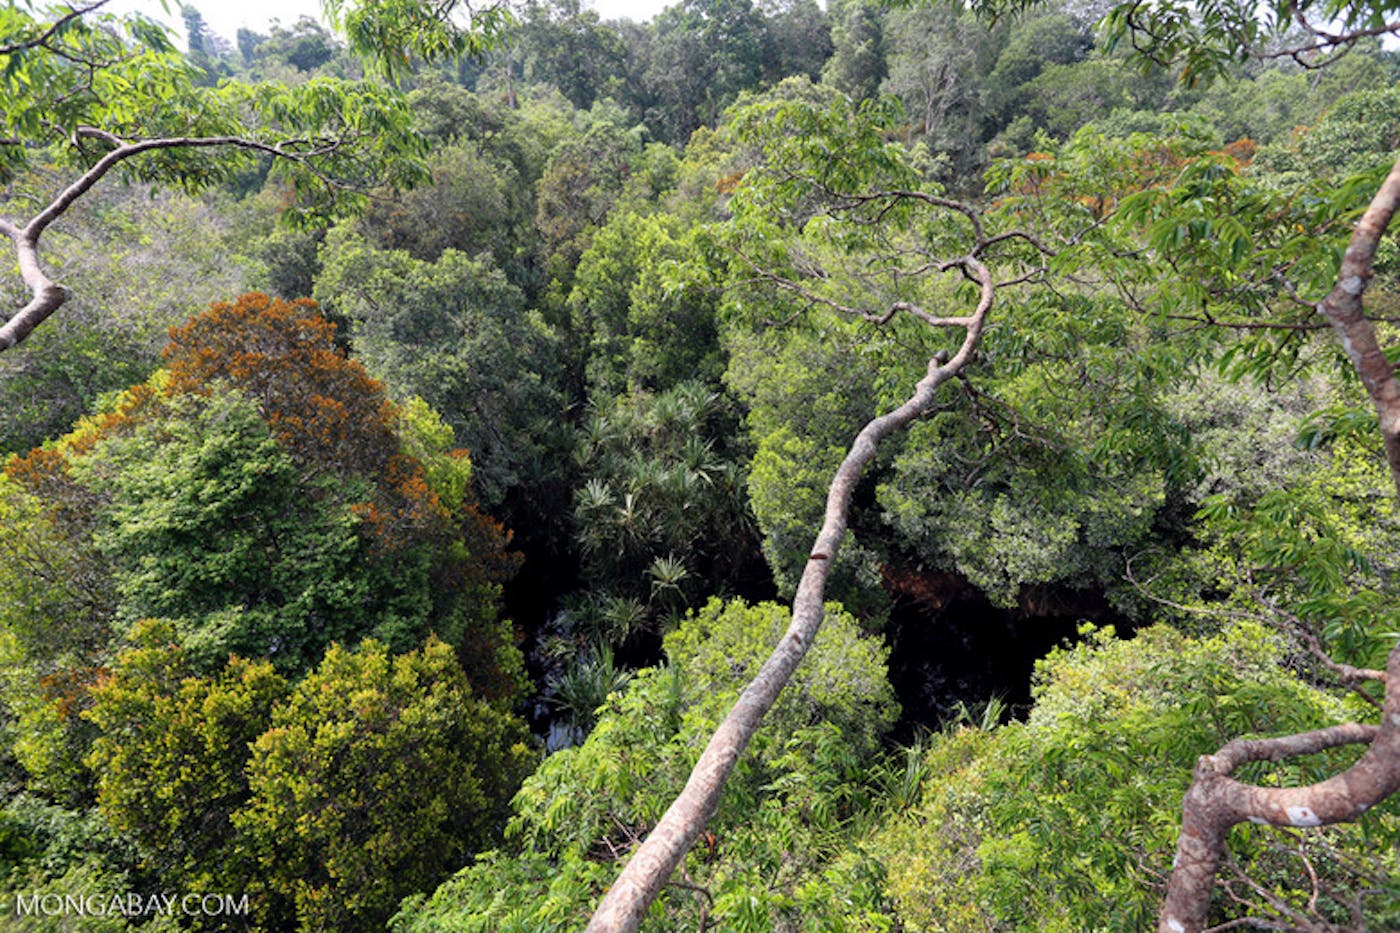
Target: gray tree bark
(1215, 802)
(625, 904)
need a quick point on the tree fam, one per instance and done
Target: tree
(704, 52)
(1205, 45)
(938, 59)
(568, 47)
(1061, 822)
(632, 324)
(306, 46)
(1216, 800)
(805, 396)
(264, 497)
(801, 181)
(660, 507)
(577, 191)
(326, 800)
(799, 37)
(90, 93)
(454, 332)
(779, 855)
(203, 504)
(857, 63)
(377, 778)
(171, 753)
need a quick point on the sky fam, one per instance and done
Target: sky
(225, 18)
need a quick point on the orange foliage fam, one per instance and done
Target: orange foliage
(1241, 150)
(407, 507)
(69, 689)
(38, 470)
(44, 470)
(728, 183)
(488, 543)
(324, 408)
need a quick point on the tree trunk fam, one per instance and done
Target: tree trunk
(1215, 801)
(625, 904)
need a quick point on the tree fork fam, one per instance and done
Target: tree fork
(625, 904)
(1215, 802)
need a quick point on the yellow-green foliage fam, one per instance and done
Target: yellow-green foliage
(1068, 821)
(931, 859)
(779, 856)
(430, 441)
(378, 776)
(326, 802)
(170, 755)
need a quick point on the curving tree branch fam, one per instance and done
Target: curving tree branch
(1216, 802)
(651, 865)
(47, 295)
(1344, 310)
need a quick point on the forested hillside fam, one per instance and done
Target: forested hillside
(419, 435)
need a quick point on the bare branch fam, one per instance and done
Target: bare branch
(783, 283)
(1238, 752)
(1337, 43)
(1215, 801)
(1303, 632)
(47, 296)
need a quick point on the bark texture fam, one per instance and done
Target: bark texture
(1215, 802)
(47, 296)
(1344, 310)
(625, 904)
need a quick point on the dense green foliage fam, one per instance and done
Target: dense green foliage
(787, 817)
(1067, 822)
(598, 307)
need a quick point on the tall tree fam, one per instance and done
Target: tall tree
(797, 180)
(704, 53)
(857, 64)
(560, 43)
(85, 93)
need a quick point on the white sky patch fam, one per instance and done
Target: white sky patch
(225, 18)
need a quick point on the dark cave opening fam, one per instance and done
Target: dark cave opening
(951, 649)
